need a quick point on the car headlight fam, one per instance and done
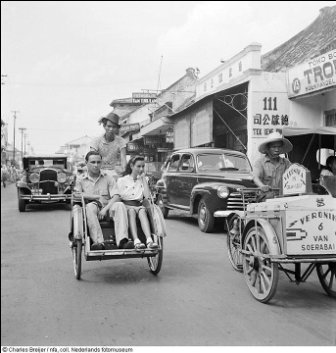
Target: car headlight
(34, 178)
(223, 192)
(61, 177)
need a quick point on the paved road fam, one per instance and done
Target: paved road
(197, 299)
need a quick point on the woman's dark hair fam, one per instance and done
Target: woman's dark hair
(132, 161)
(92, 153)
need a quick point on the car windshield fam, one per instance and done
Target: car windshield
(33, 163)
(210, 163)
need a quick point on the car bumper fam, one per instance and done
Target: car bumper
(46, 198)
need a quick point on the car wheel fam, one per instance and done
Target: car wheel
(21, 203)
(206, 219)
(160, 203)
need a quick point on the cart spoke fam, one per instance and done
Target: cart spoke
(326, 273)
(253, 243)
(267, 268)
(263, 283)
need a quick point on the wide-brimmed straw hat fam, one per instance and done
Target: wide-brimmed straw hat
(112, 117)
(275, 137)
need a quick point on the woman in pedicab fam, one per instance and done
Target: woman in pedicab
(132, 190)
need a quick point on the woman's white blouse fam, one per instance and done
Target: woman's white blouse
(130, 189)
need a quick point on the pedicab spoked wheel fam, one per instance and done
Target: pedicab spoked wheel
(260, 274)
(233, 243)
(327, 276)
(155, 262)
(77, 257)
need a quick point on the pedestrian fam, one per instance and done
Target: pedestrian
(268, 170)
(102, 191)
(111, 147)
(4, 174)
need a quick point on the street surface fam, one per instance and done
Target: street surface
(197, 298)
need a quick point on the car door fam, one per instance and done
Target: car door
(187, 179)
(171, 179)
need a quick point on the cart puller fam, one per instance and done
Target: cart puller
(268, 170)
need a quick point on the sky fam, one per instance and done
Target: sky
(64, 62)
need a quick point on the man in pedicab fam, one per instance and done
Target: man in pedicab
(269, 169)
(102, 192)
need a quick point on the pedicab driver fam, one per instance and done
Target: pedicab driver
(111, 147)
(103, 191)
(268, 170)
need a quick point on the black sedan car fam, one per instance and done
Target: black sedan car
(45, 179)
(204, 181)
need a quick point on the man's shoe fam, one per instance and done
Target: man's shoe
(97, 246)
(126, 244)
(110, 245)
(129, 245)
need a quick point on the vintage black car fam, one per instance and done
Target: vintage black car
(204, 181)
(45, 179)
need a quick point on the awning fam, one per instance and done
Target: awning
(295, 131)
(157, 127)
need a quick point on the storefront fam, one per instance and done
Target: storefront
(312, 106)
(236, 106)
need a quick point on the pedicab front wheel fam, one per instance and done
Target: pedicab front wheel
(77, 258)
(260, 273)
(155, 262)
(327, 277)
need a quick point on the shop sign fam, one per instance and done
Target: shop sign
(270, 113)
(143, 97)
(149, 150)
(153, 140)
(134, 147)
(314, 75)
(129, 128)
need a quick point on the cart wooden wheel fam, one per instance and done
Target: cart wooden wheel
(155, 262)
(260, 274)
(327, 276)
(234, 228)
(77, 257)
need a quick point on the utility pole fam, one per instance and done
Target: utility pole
(22, 129)
(14, 111)
(25, 144)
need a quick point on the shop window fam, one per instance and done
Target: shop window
(220, 77)
(230, 72)
(212, 82)
(240, 66)
(330, 117)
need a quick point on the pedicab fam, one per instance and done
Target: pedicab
(296, 228)
(80, 241)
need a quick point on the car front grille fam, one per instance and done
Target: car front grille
(235, 200)
(48, 178)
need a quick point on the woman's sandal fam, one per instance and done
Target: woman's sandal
(152, 245)
(139, 246)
